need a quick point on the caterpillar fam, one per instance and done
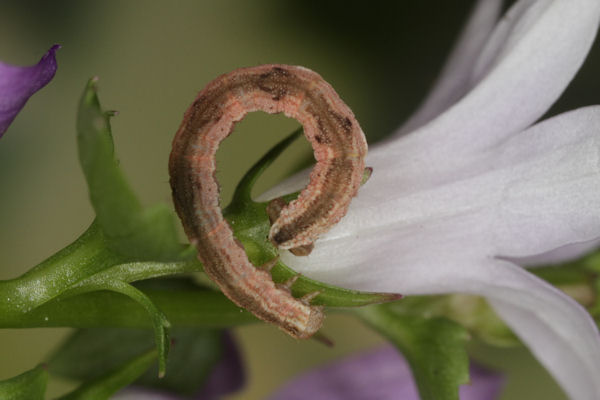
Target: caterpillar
(339, 147)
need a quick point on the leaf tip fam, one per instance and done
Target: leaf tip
(388, 297)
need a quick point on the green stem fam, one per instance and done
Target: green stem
(202, 308)
(86, 256)
(243, 190)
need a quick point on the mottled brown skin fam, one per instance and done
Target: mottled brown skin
(274, 209)
(339, 147)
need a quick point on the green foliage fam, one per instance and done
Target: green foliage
(90, 354)
(434, 348)
(183, 307)
(125, 243)
(472, 312)
(194, 354)
(580, 279)
(141, 234)
(90, 284)
(30, 385)
(106, 385)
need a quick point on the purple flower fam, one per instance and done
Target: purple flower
(382, 374)
(18, 84)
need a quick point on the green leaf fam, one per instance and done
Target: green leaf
(30, 385)
(203, 308)
(141, 234)
(192, 358)
(107, 385)
(160, 323)
(88, 354)
(250, 225)
(434, 348)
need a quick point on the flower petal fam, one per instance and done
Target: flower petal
(562, 254)
(557, 330)
(529, 60)
(18, 84)
(455, 79)
(381, 374)
(535, 192)
(552, 197)
(471, 185)
(560, 333)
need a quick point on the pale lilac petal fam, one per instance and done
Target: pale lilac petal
(381, 374)
(475, 184)
(557, 330)
(561, 255)
(552, 196)
(534, 192)
(533, 54)
(18, 84)
(455, 79)
(560, 333)
(535, 51)
(509, 30)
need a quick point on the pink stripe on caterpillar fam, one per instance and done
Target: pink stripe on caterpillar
(339, 147)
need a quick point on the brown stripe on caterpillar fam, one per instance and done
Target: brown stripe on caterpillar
(339, 149)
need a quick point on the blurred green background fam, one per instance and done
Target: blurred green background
(152, 58)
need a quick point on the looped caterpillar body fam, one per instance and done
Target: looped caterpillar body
(339, 148)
